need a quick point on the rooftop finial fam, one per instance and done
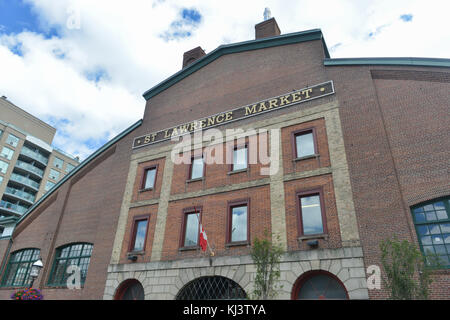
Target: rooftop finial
(267, 14)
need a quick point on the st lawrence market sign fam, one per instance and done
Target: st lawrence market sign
(254, 109)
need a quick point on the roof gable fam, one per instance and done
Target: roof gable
(309, 35)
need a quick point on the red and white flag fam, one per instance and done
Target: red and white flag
(203, 238)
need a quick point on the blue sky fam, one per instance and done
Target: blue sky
(17, 16)
(82, 65)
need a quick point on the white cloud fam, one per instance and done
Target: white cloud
(121, 42)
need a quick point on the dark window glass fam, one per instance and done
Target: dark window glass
(135, 291)
(239, 223)
(150, 175)
(321, 286)
(191, 229)
(78, 254)
(304, 144)
(19, 267)
(140, 232)
(433, 229)
(311, 215)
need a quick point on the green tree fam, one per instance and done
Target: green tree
(266, 256)
(407, 272)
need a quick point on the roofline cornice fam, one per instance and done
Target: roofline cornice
(389, 61)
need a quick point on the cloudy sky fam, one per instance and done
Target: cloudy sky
(83, 65)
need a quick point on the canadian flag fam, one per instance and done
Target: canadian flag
(203, 238)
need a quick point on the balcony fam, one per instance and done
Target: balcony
(34, 155)
(25, 181)
(20, 195)
(30, 168)
(12, 208)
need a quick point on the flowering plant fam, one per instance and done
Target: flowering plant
(27, 294)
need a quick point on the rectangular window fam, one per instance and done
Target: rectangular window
(69, 167)
(240, 158)
(311, 214)
(3, 166)
(54, 174)
(191, 228)
(304, 144)
(238, 222)
(197, 167)
(49, 185)
(432, 223)
(58, 163)
(12, 140)
(149, 178)
(7, 153)
(139, 235)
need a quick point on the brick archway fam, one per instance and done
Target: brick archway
(318, 284)
(130, 289)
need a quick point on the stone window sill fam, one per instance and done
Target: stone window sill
(237, 171)
(136, 253)
(145, 190)
(237, 244)
(312, 156)
(189, 248)
(313, 237)
(194, 180)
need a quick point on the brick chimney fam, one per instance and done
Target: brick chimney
(192, 55)
(267, 28)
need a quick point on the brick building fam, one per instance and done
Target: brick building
(362, 149)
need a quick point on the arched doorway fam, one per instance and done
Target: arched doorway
(318, 285)
(130, 289)
(211, 288)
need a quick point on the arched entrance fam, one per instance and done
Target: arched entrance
(130, 289)
(211, 288)
(318, 285)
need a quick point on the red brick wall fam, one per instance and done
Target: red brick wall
(140, 195)
(397, 149)
(290, 166)
(236, 80)
(90, 211)
(216, 174)
(291, 188)
(150, 211)
(214, 219)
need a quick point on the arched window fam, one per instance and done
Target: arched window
(130, 289)
(432, 222)
(78, 254)
(318, 285)
(19, 266)
(211, 288)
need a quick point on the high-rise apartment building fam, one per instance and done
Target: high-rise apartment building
(29, 165)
